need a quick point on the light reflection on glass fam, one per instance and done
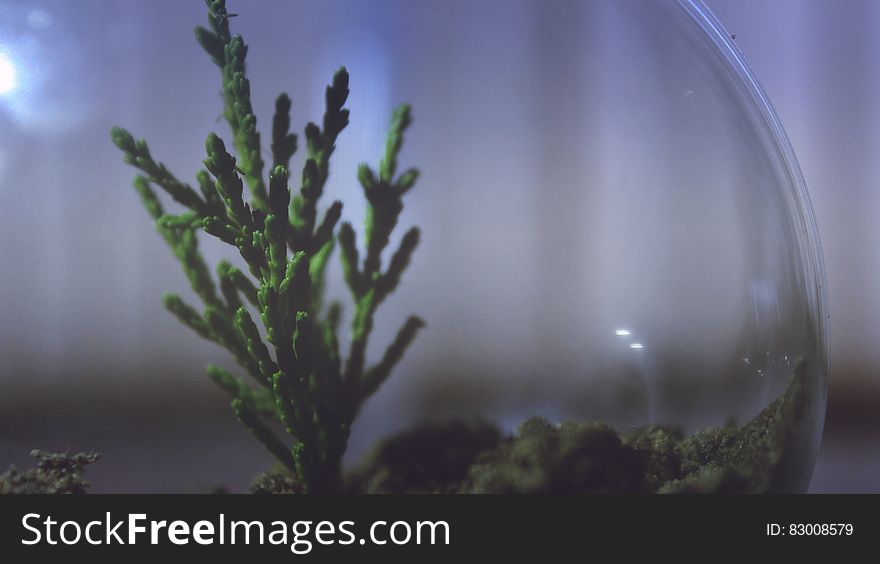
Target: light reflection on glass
(622, 333)
(7, 75)
(39, 19)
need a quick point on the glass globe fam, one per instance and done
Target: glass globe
(615, 230)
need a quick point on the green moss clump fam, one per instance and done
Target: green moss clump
(432, 458)
(747, 459)
(588, 457)
(60, 473)
(568, 458)
(276, 481)
(656, 446)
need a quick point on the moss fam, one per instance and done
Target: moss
(745, 459)
(568, 458)
(276, 481)
(431, 458)
(578, 457)
(60, 473)
(656, 446)
(710, 479)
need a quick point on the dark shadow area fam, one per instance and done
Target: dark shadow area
(189, 443)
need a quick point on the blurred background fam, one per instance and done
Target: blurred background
(89, 360)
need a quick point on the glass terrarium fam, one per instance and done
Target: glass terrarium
(618, 266)
(617, 231)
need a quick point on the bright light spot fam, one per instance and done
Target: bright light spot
(636, 346)
(7, 75)
(622, 333)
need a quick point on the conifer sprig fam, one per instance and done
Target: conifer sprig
(303, 385)
(229, 53)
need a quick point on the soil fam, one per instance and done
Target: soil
(567, 458)
(577, 457)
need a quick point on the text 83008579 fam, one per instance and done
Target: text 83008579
(809, 529)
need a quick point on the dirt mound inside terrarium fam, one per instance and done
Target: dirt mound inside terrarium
(566, 458)
(577, 457)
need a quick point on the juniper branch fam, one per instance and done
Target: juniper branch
(187, 252)
(227, 286)
(224, 332)
(379, 373)
(241, 282)
(250, 335)
(350, 267)
(388, 282)
(283, 142)
(303, 385)
(368, 285)
(320, 144)
(317, 267)
(262, 433)
(401, 120)
(259, 400)
(137, 154)
(187, 315)
(229, 53)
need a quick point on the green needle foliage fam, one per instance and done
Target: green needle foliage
(55, 473)
(303, 384)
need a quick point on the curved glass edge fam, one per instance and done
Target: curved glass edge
(706, 20)
(806, 223)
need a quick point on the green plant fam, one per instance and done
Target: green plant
(55, 473)
(303, 384)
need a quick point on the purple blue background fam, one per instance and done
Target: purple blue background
(89, 359)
